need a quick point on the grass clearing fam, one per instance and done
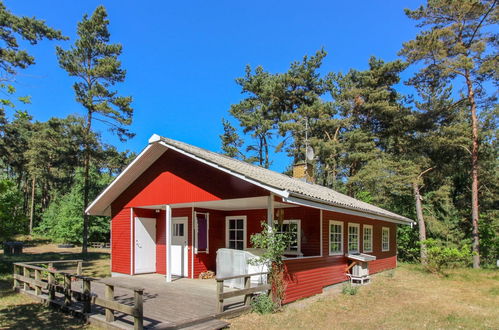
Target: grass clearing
(407, 298)
(18, 311)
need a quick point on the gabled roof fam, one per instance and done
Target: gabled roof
(290, 189)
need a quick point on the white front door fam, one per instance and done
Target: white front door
(145, 245)
(179, 247)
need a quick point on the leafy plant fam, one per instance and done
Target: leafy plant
(441, 256)
(275, 244)
(350, 290)
(263, 304)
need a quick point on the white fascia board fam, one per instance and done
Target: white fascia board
(121, 175)
(281, 193)
(318, 205)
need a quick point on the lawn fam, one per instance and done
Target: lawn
(18, 311)
(406, 298)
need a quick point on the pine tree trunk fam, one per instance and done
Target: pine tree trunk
(474, 172)
(421, 223)
(86, 184)
(32, 206)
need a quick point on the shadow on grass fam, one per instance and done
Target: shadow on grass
(36, 316)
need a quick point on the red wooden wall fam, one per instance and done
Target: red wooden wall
(307, 277)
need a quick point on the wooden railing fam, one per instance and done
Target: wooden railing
(247, 292)
(47, 282)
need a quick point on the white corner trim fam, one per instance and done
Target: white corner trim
(320, 233)
(132, 245)
(281, 193)
(154, 138)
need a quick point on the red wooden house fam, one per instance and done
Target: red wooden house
(175, 205)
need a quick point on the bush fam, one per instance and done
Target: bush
(441, 257)
(263, 304)
(350, 290)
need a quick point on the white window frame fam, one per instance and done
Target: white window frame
(195, 238)
(353, 225)
(341, 223)
(235, 217)
(298, 222)
(364, 238)
(387, 230)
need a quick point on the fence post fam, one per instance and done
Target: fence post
(51, 281)
(109, 294)
(16, 272)
(87, 306)
(138, 321)
(247, 285)
(67, 289)
(38, 289)
(79, 267)
(220, 291)
(25, 274)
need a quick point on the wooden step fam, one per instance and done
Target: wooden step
(214, 324)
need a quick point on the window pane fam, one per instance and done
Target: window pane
(232, 224)
(232, 234)
(232, 245)
(239, 235)
(239, 245)
(202, 237)
(240, 224)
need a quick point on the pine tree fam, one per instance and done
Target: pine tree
(93, 60)
(455, 38)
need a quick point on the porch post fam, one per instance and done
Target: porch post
(168, 228)
(270, 210)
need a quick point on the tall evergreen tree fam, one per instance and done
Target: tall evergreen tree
(455, 37)
(93, 60)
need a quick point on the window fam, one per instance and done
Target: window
(292, 227)
(368, 238)
(235, 232)
(385, 239)
(201, 235)
(335, 238)
(178, 229)
(353, 238)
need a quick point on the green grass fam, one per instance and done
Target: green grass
(18, 311)
(407, 298)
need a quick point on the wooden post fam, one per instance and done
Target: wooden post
(51, 281)
(38, 289)
(87, 306)
(109, 294)
(138, 321)
(25, 274)
(79, 268)
(220, 291)
(247, 285)
(16, 281)
(67, 289)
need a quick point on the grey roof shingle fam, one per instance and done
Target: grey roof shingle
(281, 181)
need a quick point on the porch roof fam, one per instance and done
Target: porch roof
(289, 189)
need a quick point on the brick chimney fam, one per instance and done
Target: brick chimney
(303, 171)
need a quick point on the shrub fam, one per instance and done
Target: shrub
(350, 290)
(441, 256)
(263, 304)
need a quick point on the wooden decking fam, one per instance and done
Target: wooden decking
(181, 303)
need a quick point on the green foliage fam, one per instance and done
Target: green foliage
(28, 28)
(349, 289)
(274, 244)
(263, 304)
(441, 256)
(12, 219)
(63, 219)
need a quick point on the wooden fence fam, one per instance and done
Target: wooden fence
(247, 292)
(45, 282)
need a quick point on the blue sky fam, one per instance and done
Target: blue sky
(182, 56)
